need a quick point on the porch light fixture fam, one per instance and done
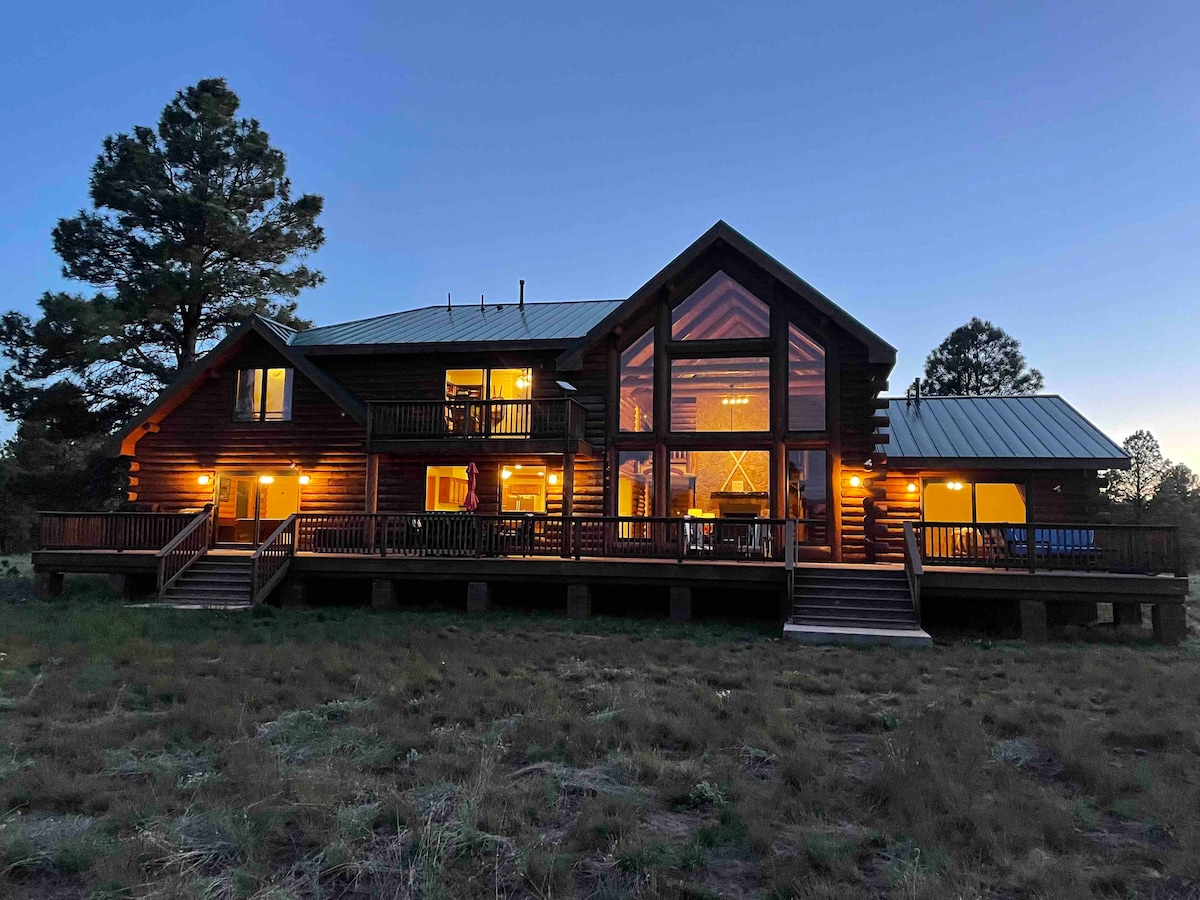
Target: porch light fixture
(855, 481)
(912, 487)
(305, 479)
(553, 479)
(266, 479)
(203, 480)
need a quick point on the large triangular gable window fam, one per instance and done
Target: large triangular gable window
(720, 310)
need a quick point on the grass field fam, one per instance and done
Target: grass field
(343, 753)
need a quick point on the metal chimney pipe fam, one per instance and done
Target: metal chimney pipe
(521, 302)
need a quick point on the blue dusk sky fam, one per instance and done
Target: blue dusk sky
(1032, 164)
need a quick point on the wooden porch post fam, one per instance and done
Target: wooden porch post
(568, 485)
(371, 500)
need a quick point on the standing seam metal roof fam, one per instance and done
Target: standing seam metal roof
(1043, 427)
(559, 321)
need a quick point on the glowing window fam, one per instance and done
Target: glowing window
(635, 483)
(445, 488)
(720, 394)
(523, 489)
(720, 309)
(806, 382)
(263, 395)
(637, 384)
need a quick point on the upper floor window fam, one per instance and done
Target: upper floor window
(489, 384)
(637, 384)
(720, 394)
(806, 382)
(263, 395)
(720, 309)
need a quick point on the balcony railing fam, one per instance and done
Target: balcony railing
(1133, 549)
(430, 420)
(110, 531)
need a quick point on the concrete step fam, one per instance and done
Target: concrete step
(841, 590)
(815, 633)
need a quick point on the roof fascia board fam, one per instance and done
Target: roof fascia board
(435, 347)
(950, 463)
(123, 441)
(879, 351)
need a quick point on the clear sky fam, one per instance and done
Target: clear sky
(1034, 164)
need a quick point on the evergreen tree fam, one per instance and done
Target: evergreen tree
(193, 227)
(979, 359)
(1136, 486)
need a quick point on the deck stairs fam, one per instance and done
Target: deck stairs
(212, 582)
(853, 605)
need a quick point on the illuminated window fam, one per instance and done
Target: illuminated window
(720, 394)
(490, 384)
(263, 395)
(806, 382)
(523, 489)
(808, 493)
(637, 385)
(720, 309)
(445, 488)
(712, 483)
(960, 501)
(635, 483)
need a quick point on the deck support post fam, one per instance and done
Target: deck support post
(1033, 621)
(579, 601)
(1127, 614)
(681, 603)
(383, 594)
(295, 593)
(479, 596)
(48, 584)
(121, 584)
(1170, 622)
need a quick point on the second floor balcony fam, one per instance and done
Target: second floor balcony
(551, 425)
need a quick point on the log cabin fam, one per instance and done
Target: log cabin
(726, 424)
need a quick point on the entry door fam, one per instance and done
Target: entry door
(250, 507)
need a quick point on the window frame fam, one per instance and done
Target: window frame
(258, 413)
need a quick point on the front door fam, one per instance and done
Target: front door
(249, 507)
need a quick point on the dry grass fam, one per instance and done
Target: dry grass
(344, 753)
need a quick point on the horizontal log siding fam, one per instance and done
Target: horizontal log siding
(200, 436)
(858, 386)
(422, 376)
(1077, 501)
(402, 483)
(591, 382)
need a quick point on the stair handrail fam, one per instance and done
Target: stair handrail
(269, 561)
(914, 567)
(184, 549)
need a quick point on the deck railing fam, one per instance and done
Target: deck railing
(467, 535)
(184, 549)
(423, 420)
(111, 531)
(914, 566)
(1035, 546)
(269, 562)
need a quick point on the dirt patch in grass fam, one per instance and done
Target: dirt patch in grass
(347, 753)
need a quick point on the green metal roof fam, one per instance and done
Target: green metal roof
(562, 322)
(1025, 432)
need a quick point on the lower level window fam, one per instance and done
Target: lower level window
(726, 483)
(635, 483)
(808, 494)
(988, 502)
(523, 489)
(445, 488)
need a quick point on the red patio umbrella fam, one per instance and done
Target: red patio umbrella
(471, 501)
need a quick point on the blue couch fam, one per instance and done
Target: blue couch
(1062, 542)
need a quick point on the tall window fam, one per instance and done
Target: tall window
(720, 309)
(808, 494)
(712, 483)
(637, 384)
(721, 394)
(635, 483)
(263, 395)
(806, 382)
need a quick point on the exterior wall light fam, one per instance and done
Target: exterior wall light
(855, 481)
(553, 479)
(305, 479)
(912, 487)
(203, 480)
(266, 479)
